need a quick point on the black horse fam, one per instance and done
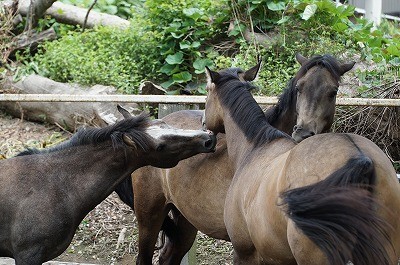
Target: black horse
(44, 195)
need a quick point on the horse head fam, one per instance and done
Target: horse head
(212, 118)
(316, 84)
(165, 145)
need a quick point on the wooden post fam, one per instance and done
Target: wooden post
(163, 110)
(373, 11)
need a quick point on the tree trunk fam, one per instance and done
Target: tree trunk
(68, 115)
(69, 14)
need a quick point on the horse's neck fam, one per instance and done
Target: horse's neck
(94, 173)
(237, 144)
(285, 121)
(283, 116)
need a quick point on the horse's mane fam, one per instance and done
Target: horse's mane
(288, 98)
(327, 61)
(247, 114)
(134, 127)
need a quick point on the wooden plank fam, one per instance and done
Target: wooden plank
(176, 99)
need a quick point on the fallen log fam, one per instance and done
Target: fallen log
(73, 15)
(68, 115)
(31, 40)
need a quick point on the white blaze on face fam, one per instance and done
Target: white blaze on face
(158, 132)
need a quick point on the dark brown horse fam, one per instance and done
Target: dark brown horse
(330, 199)
(44, 195)
(198, 186)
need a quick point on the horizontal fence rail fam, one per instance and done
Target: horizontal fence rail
(174, 99)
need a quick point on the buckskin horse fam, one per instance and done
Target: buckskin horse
(45, 194)
(331, 199)
(197, 186)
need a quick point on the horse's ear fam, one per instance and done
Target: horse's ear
(346, 67)
(300, 58)
(124, 112)
(212, 76)
(252, 73)
(128, 141)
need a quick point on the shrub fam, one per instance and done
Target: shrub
(107, 56)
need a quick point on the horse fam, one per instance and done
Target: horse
(330, 199)
(197, 186)
(45, 194)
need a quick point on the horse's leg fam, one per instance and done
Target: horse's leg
(303, 249)
(150, 210)
(30, 256)
(175, 248)
(251, 258)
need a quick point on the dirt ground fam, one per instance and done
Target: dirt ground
(108, 234)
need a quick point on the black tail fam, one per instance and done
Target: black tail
(338, 215)
(125, 191)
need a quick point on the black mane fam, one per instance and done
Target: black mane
(288, 98)
(327, 61)
(134, 127)
(247, 114)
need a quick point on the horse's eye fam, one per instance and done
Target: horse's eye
(160, 147)
(332, 94)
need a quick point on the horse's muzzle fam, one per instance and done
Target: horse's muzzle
(299, 133)
(211, 143)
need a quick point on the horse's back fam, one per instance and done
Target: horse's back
(319, 156)
(185, 119)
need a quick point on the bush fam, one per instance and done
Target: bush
(170, 43)
(107, 56)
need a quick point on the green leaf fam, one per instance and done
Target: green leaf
(339, 27)
(309, 11)
(193, 13)
(182, 77)
(174, 92)
(185, 44)
(395, 61)
(276, 6)
(196, 44)
(393, 50)
(176, 58)
(177, 35)
(200, 65)
(169, 69)
(167, 84)
(283, 20)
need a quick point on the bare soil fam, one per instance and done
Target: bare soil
(108, 234)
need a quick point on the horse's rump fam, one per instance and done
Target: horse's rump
(341, 210)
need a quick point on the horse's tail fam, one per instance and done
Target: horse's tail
(125, 193)
(339, 215)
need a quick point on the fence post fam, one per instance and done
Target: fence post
(373, 11)
(163, 110)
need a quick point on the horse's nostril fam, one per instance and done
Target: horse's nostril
(208, 144)
(312, 133)
(297, 128)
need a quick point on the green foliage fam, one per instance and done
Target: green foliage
(186, 30)
(313, 27)
(173, 41)
(107, 56)
(121, 8)
(397, 166)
